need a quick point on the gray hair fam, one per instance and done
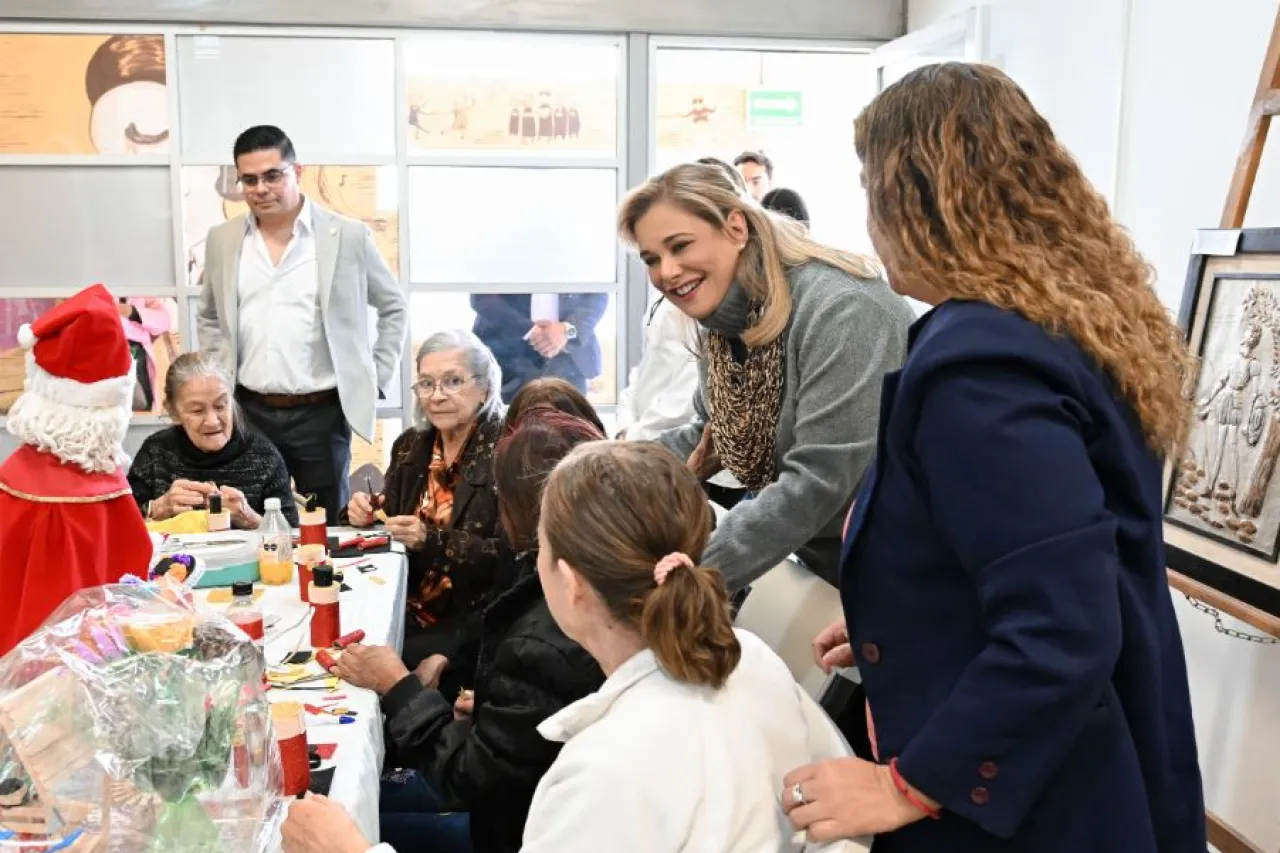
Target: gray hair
(479, 360)
(195, 365)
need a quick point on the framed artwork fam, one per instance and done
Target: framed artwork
(151, 328)
(83, 94)
(498, 95)
(699, 118)
(1222, 501)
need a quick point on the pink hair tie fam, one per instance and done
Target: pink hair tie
(664, 566)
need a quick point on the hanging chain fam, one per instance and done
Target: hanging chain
(1230, 632)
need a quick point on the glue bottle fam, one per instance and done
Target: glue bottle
(323, 595)
(219, 518)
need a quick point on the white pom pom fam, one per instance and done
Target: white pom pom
(26, 337)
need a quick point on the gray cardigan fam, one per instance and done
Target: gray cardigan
(844, 335)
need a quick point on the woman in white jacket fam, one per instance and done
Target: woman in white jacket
(660, 389)
(684, 748)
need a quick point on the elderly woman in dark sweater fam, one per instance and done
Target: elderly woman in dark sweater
(440, 501)
(797, 339)
(208, 451)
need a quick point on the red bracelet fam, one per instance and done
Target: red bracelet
(905, 790)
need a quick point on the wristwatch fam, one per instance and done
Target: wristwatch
(570, 331)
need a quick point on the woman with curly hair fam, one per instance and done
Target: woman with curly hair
(1003, 570)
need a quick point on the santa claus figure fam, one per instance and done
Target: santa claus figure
(67, 517)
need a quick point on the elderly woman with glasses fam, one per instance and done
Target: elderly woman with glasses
(439, 500)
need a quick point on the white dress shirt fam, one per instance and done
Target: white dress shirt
(282, 345)
(544, 306)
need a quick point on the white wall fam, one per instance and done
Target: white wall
(1188, 79)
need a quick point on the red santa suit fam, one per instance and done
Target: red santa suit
(67, 516)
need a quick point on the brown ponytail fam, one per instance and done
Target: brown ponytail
(687, 623)
(613, 510)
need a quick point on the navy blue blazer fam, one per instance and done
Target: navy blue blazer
(503, 319)
(1004, 583)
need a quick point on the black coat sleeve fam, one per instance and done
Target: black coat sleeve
(141, 475)
(500, 747)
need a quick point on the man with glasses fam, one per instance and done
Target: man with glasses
(285, 296)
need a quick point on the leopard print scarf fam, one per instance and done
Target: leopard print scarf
(745, 400)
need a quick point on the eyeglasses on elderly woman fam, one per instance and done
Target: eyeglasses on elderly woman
(449, 385)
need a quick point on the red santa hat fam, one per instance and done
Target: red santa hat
(78, 353)
(79, 384)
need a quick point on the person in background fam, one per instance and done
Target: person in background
(543, 334)
(208, 451)
(284, 297)
(730, 172)
(757, 172)
(439, 500)
(145, 322)
(660, 389)
(67, 520)
(788, 203)
(480, 758)
(797, 338)
(1004, 586)
(551, 393)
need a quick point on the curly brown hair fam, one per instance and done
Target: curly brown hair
(969, 192)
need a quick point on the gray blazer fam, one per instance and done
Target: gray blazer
(352, 276)
(843, 337)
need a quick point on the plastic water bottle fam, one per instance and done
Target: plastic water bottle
(275, 553)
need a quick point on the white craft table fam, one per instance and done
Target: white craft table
(378, 609)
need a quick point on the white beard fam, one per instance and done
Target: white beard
(90, 438)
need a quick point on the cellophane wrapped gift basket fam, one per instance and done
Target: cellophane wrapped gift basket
(130, 721)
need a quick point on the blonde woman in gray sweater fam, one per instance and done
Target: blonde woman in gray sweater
(796, 339)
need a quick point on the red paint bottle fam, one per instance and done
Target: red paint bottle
(325, 620)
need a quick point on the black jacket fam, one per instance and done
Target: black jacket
(489, 765)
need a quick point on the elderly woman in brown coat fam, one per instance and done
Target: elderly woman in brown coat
(439, 500)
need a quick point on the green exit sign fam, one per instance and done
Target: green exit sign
(774, 108)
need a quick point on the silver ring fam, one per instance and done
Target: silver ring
(797, 795)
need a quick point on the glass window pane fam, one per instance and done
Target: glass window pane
(151, 327)
(334, 97)
(503, 320)
(368, 193)
(472, 225)
(532, 95)
(71, 226)
(723, 102)
(83, 94)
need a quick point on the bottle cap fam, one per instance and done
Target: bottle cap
(215, 503)
(309, 503)
(322, 576)
(242, 589)
(270, 504)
